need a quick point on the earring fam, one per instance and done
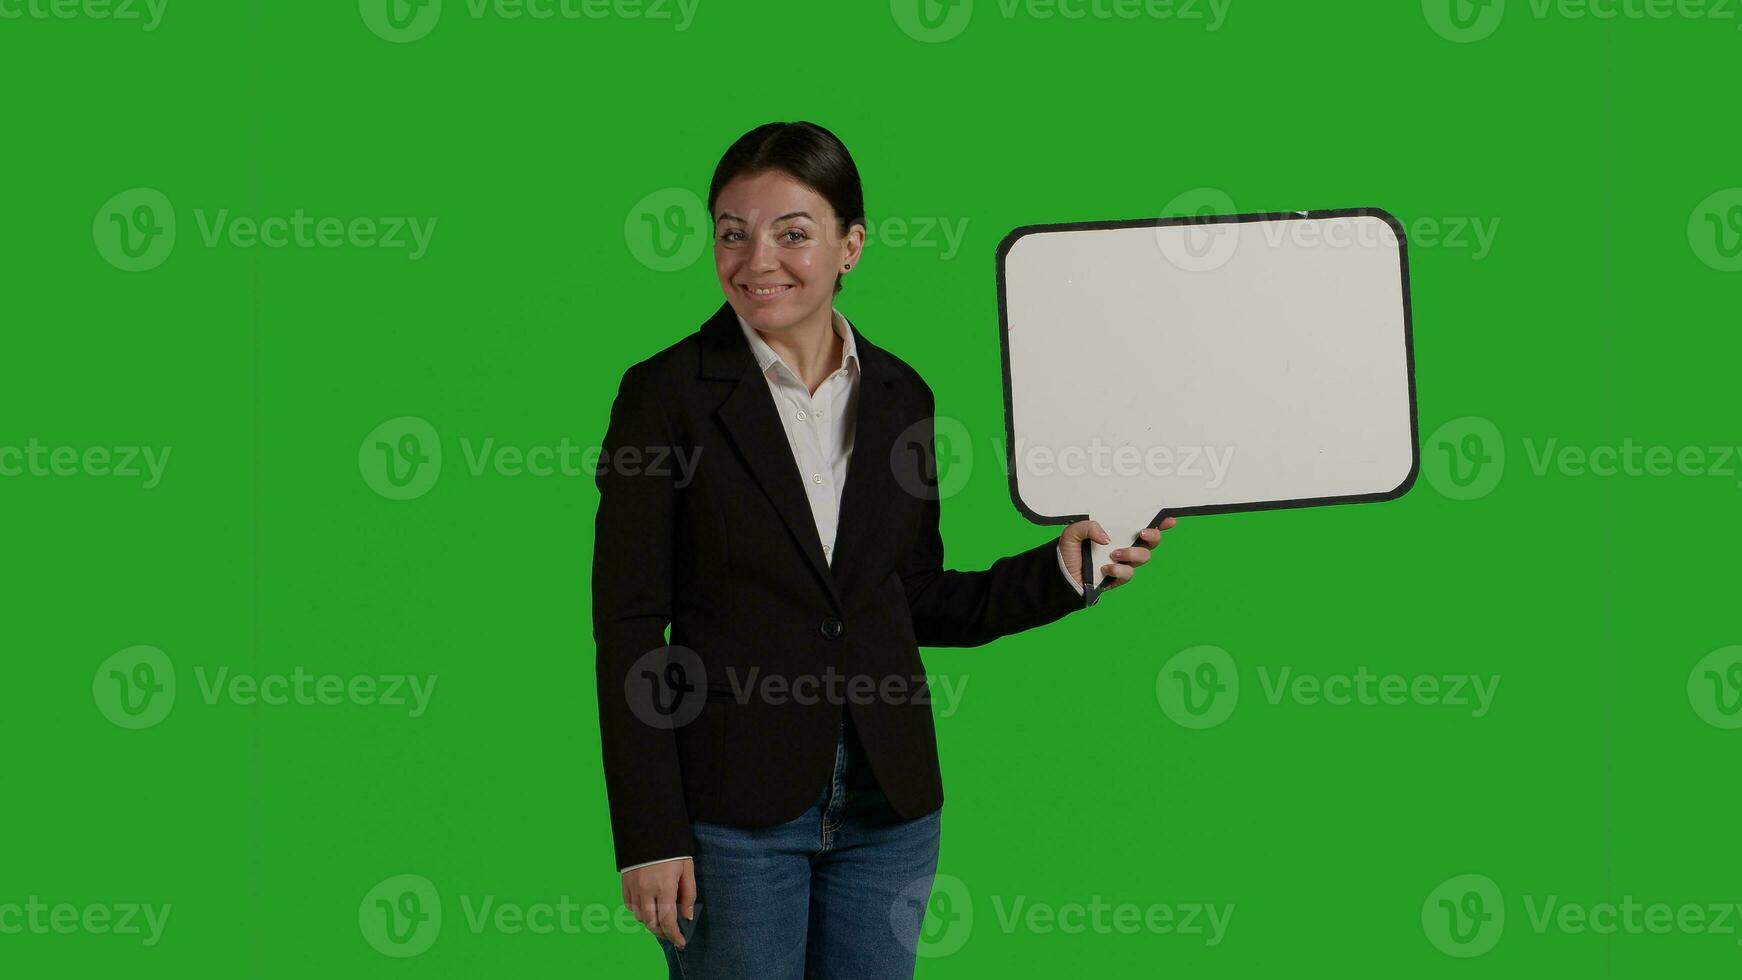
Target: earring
(844, 268)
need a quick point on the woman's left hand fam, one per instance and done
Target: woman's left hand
(1125, 559)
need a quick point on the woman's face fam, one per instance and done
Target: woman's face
(777, 249)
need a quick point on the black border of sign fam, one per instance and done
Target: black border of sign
(1020, 232)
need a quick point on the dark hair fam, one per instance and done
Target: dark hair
(804, 151)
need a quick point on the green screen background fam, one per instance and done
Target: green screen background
(1598, 153)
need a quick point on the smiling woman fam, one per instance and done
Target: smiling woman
(779, 834)
(789, 224)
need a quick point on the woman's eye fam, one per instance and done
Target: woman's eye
(795, 235)
(727, 236)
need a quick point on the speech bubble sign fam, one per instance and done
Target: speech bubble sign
(1205, 364)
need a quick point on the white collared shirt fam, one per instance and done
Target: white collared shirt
(820, 428)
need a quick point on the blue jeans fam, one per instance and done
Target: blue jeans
(838, 893)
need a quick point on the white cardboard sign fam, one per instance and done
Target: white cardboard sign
(1205, 364)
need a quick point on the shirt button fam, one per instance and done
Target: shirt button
(832, 628)
(801, 415)
(825, 549)
(816, 478)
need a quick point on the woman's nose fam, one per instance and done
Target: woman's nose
(762, 255)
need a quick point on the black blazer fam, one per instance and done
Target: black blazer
(724, 549)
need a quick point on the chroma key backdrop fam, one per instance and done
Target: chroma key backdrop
(314, 313)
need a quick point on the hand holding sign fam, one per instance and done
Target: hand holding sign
(1125, 560)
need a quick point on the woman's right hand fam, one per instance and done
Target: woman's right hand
(656, 894)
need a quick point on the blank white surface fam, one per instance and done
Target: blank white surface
(1267, 358)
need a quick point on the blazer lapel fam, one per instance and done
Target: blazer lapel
(871, 484)
(752, 420)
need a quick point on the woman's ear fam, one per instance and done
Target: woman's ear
(853, 246)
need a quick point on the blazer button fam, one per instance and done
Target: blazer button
(832, 629)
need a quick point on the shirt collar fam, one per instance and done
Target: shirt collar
(765, 355)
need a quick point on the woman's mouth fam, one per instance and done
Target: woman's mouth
(764, 294)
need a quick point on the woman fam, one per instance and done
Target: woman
(767, 489)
